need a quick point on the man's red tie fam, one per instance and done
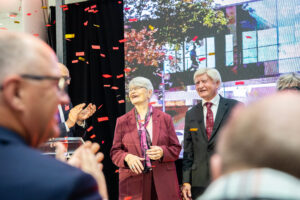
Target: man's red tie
(209, 120)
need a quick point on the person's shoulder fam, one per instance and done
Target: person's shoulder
(194, 109)
(231, 101)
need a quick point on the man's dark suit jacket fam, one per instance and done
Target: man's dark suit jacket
(28, 175)
(197, 148)
(75, 131)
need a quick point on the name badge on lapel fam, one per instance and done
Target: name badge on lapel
(193, 129)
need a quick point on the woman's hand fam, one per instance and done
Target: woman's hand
(155, 152)
(134, 163)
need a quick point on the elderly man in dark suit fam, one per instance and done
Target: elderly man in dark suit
(31, 88)
(202, 124)
(72, 119)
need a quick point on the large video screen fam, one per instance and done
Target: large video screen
(250, 42)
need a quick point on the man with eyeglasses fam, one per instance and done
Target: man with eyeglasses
(31, 89)
(72, 119)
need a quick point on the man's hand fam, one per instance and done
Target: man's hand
(155, 152)
(88, 160)
(186, 191)
(134, 163)
(86, 113)
(74, 114)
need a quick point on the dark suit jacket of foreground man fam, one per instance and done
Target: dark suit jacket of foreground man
(197, 149)
(26, 174)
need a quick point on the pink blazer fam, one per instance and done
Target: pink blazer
(126, 140)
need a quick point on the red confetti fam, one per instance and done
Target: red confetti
(3, 28)
(64, 9)
(93, 136)
(74, 61)
(248, 37)
(114, 88)
(170, 57)
(102, 55)
(67, 107)
(100, 106)
(106, 85)
(195, 38)
(95, 11)
(239, 83)
(63, 6)
(90, 128)
(85, 23)
(95, 46)
(117, 171)
(102, 119)
(54, 21)
(121, 101)
(119, 2)
(126, 9)
(122, 41)
(28, 14)
(48, 25)
(152, 102)
(115, 48)
(106, 75)
(201, 59)
(80, 53)
(120, 76)
(86, 9)
(153, 166)
(36, 35)
(128, 198)
(127, 70)
(102, 142)
(12, 15)
(133, 20)
(93, 6)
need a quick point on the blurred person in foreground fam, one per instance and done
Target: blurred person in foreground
(202, 124)
(290, 81)
(72, 119)
(258, 151)
(145, 147)
(31, 88)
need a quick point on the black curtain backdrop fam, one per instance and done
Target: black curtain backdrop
(95, 58)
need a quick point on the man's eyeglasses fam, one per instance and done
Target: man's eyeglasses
(61, 81)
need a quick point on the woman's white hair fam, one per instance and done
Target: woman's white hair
(288, 80)
(141, 81)
(212, 73)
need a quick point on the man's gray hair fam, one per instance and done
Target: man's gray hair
(288, 80)
(14, 53)
(141, 81)
(212, 73)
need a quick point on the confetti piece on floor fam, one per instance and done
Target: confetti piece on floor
(90, 128)
(86, 9)
(120, 76)
(114, 88)
(106, 75)
(75, 61)
(93, 6)
(95, 46)
(102, 55)
(102, 119)
(96, 25)
(115, 48)
(106, 85)
(93, 136)
(85, 23)
(68, 36)
(80, 53)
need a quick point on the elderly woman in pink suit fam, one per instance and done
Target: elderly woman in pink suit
(145, 147)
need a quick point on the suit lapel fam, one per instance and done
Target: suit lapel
(222, 109)
(155, 126)
(201, 119)
(131, 124)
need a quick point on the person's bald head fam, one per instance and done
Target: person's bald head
(264, 134)
(63, 70)
(30, 90)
